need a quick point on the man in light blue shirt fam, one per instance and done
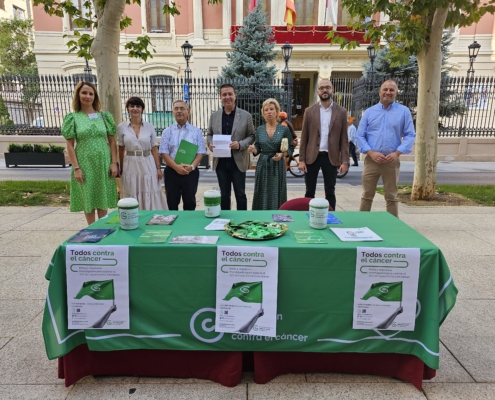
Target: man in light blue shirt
(385, 132)
(181, 180)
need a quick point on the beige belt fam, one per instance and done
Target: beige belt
(138, 153)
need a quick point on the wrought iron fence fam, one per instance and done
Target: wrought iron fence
(37, 104)
(467, 105)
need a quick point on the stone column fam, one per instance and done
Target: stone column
(198, 22)
(226, 21)
(239, 8)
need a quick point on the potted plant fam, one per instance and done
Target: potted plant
(35, 154)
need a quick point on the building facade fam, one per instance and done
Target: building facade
(210, 29)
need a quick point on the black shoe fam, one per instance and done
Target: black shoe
(355, 165)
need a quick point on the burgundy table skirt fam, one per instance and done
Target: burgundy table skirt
(226, 367)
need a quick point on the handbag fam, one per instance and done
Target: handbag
(106, 128)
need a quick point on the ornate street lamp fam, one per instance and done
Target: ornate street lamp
(286, 53)
(187, 49)
(372, 56)
(474, 49)
(88, 76)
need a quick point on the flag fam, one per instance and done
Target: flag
(249, 292)
(252, 5)
(385, 291)
(331, 17)
(99, 290)
(290, 14)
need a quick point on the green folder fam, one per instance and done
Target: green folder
(186, 153)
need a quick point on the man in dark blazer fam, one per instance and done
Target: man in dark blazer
(231, 171)
(324, 143)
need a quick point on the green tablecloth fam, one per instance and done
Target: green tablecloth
(172, 292)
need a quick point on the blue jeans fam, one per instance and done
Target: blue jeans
(228, 174)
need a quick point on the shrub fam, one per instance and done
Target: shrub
(34, 148)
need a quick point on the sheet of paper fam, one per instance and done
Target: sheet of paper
(221, 143)
(282, 218)
(309, 237)
(217, 224)
(246, 296)
(194, 240)
(386, 288)
(356, 235)
(97, 287)
(158, 236)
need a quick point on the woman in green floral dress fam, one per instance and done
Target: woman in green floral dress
(92, 149)
(270, 185)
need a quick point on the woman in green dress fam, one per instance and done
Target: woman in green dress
(270, 185)
(92, 149)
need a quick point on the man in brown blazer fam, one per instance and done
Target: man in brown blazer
(324, 142)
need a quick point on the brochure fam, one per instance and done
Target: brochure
(154, 237)
(186, 153)
(159, 219)
(194, 240)
(331, 219)
(356, 235)
(282, 218)
(217, 224)
(90, 235)
(309, 237)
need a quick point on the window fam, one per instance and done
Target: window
(266, 5)
(161, 93)
(156, 20)
(2, 4)
(307, 12)
(84, 14)
(18, 13)
(343, 16)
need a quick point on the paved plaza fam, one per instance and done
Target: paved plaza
(466, 236)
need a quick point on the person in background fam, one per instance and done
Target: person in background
(385, 132)
(181, 180)
(285, 122)
(138, 150)
(270, 185)
(324, 143)
(231, 171)
(92, 149)
(351, 135)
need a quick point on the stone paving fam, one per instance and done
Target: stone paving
(466, 236)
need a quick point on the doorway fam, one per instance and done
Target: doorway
(300, 101)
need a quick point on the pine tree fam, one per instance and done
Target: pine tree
(252, 49)
(451, 102)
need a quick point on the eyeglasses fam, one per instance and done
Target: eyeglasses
(321, 88)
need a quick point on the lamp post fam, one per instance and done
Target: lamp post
(286, 53)
(473, 49)
(187, 49)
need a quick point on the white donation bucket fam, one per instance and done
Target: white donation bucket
(318, 213)
(212, 203)
(128, 213)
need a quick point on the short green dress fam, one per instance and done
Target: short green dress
(270, 184)
(99, 190)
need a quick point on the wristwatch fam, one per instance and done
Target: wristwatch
(192, 167)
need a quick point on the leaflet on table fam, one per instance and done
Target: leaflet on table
(159, 219)
(217, 224)
(309, 237)
(246, 296)
(386, 288)
(222, 146)
(149, 236)
(282, 218)
(97, 287)
(194, 240)
(90, 235)
(356, 235)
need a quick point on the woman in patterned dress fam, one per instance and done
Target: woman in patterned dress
(92, 149)
(270, 185)
(138, 150)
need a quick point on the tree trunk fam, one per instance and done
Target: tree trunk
(430, 67)
(105, 50)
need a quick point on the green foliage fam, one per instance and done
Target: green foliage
(16, 44)
(139, 48)
(34, 193)
(252, 49)
(34, 148)
(4, 115)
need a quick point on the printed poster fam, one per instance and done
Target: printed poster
(386, 288)
(246, 297)
(97, 287)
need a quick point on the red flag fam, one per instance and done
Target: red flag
(252, 5)
(290, 14)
